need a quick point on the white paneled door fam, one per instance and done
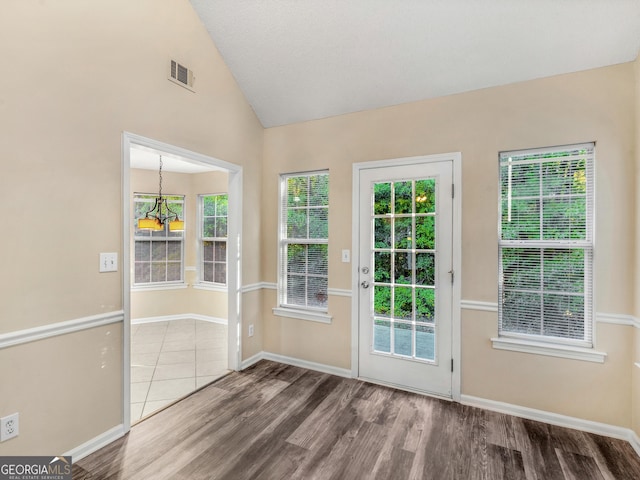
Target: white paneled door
(406, 275)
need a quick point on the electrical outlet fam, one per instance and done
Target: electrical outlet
(251, 330)
(9, 427)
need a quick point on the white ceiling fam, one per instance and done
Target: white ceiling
(298, 60)
(149, 159)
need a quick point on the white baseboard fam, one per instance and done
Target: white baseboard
(501, 407)
(634, 440)
(96, 443)
(622, 433)
(319, 367)
(251, 360)
(296, 362)
(551, 418)
(179, 316)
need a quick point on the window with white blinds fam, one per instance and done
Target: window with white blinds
(158, 255)
(546, 244)
(213, 238)
(304, 232)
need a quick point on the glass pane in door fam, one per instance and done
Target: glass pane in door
(403, 220)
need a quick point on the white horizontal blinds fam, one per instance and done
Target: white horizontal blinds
(546, 243)
(158, 255)
(304, 240)
(213, 238)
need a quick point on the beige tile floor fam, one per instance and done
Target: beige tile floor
(172, 359)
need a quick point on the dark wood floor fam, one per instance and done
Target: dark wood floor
(274, 421)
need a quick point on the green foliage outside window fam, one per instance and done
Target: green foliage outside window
(305, 243)
(404, 242)
(544, 231)
(213, 267)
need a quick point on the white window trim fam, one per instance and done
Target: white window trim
(549, 349)
(166, 285)
(302, 314)
(210, 286)
(201, 284)
(147, 287)
(320, 315)
(552, 346)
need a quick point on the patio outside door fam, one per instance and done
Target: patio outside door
(405, 276)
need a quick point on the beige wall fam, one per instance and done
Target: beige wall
(311, 341)
(155, 303)
(592, 391)
(88, 72)
(67, 389)
(588, 106)
(635, 381)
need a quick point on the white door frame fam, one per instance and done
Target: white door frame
(456, 158)
(234, 257)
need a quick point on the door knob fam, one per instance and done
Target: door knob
(364, 284)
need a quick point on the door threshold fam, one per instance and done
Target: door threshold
(408, 389)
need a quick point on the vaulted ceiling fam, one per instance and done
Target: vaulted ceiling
(299, 60)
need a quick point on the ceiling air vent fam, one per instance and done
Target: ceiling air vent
(181, 75)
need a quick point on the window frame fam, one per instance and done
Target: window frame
(305, 312)
(540, 343)
(166, 284)
(201, 282)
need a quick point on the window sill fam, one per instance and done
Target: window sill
(160, 286)
(309, 315)
(549, 349)
(210, 286)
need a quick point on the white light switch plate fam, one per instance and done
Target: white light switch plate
(346, 256)
(109, 262)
